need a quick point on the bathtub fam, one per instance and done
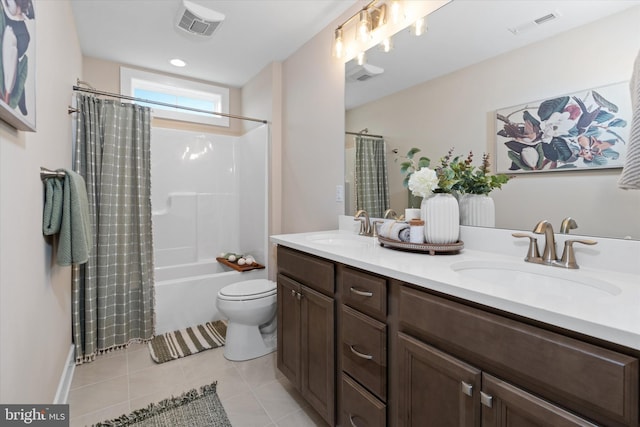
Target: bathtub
(186, 293)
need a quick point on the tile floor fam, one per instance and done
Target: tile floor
(254, 393)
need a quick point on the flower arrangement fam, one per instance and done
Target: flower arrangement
(422, 181)
(452, 175)
(477, 180)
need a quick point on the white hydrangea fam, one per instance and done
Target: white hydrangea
(423, 182)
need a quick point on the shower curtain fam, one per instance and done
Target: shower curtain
(372, 186)
(112, 294)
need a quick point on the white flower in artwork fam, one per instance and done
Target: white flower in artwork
(423, 181)
(530, 156)
(558, 124)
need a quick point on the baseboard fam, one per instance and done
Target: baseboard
(62, 394)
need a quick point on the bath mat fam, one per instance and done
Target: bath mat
(193, 408)
(173, 345)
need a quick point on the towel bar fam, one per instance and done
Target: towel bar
(47, 173)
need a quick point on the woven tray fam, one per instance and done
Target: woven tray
(237, 267)
(430, 248)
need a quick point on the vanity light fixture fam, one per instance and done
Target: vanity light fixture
(369, 19)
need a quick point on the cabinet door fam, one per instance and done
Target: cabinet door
(289, 329)
(436, 389)
(318, 352)
(507, 406)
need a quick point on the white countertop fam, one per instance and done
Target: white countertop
(610, 312)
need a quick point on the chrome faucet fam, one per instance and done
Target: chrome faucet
(365, 223)
(549, 253)
(549, 257)
(568, 224)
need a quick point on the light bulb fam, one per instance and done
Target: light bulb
(386, 45)
(419, 27)
(338, 46)
(396, 11)
(364, 26)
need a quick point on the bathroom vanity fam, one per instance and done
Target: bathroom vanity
(377, 337)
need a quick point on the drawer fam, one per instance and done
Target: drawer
(360, 408)
(599, 383)
(364, 350)
(364, 292)
(309, 270)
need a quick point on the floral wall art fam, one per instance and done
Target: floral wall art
(581, 131)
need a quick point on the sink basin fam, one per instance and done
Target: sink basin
(533, 277)
(343, 240)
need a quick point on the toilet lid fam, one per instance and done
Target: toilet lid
(249, 289)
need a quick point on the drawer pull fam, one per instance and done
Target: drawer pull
(362, 355)
(486, 399)
(353, 424)
(361, 293)
(293, 292)
(467, 389)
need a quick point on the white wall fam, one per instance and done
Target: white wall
(313, 135)
(262, 99)
(35, 294)
(457, 110)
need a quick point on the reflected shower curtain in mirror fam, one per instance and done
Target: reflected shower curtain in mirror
(112, 294)
(372, 186)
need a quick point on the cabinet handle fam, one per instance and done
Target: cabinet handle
(293, 292)
(486, 399)
(467, 389)
(353, 424)
(299, 296)
(361, 293)
(357, 353)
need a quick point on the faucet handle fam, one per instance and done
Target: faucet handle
(374, 226)
(568, 255)
(363, 225)
(533, 255)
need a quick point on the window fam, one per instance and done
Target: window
(175, 91)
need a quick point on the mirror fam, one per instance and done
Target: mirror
(443, 89)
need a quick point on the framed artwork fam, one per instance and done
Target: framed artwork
(585, 130)
(18, 64)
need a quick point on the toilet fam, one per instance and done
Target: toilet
(250, 308)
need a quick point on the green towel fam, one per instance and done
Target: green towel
(52, 216)
(75, 232)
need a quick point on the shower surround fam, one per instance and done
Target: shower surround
(209, 195)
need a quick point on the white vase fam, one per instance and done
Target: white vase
(441, 216)
(477, 209)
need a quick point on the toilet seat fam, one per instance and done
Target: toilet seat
(248, 290)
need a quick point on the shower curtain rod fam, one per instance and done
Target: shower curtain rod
(164, 104)
(365, 134)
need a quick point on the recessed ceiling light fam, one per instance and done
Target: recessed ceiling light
(178, 62)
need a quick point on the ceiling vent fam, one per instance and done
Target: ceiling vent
(360, 73)
(535, 23)
(198, 20)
